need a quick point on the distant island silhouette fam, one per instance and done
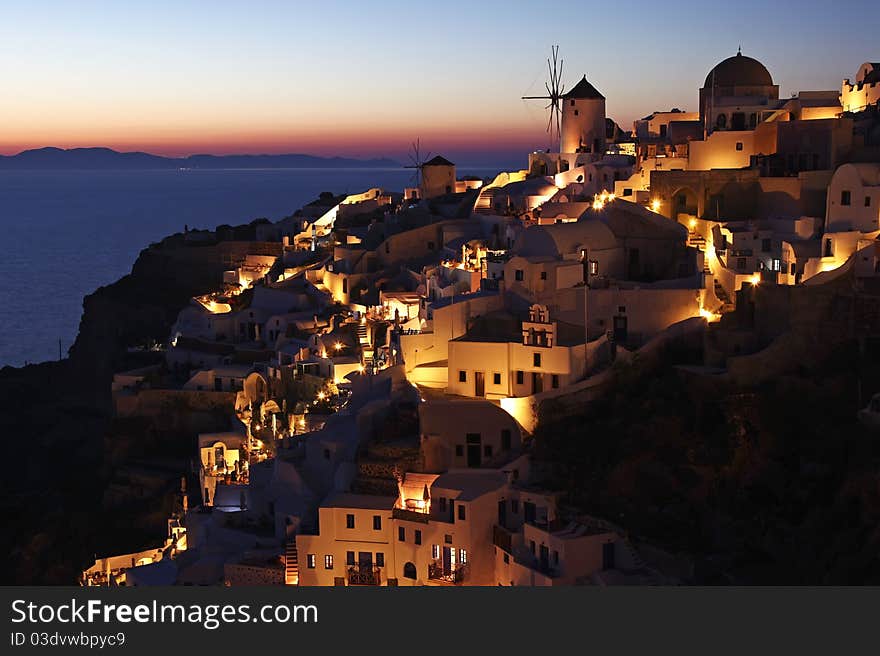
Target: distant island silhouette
(108, 159)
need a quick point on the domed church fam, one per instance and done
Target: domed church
(737, 95)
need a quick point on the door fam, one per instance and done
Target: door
(365, 560)
(479, 383)
(502, 513)
(447, 561)
(634, 265)
(474, 444)
(620, 328)
(608, 555)
(537, 382)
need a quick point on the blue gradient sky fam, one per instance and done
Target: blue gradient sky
(365, 78)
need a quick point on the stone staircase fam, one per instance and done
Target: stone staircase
(363, 335)
(291, 562)
(727, 305)
(485, 202)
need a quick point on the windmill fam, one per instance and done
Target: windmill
(554, 95)
(418, 163)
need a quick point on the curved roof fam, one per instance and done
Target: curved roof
(869, 172)
(739, 71)
(597, 230)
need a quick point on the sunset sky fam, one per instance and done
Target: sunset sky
(358, 78)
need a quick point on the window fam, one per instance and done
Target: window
(518, 275)
(418, 536)
(627, 191)
(462, 376)
(740, 263)
(514, 506)
(682, 200)
(505, 439)
(845, 197)
(532, 546)
(401, 534)
(594, 268)
(519, 378)
(349, 558)
(739, 145)
(867, 201)
(461, 513)
(435, 551)
(377, 522)
(536, 359)
(765, 245)
(554, 381)
(555, 557)
(328, 561)
(496, 379)
(409, 571)
(791, 272)
(487, 450)
(326, 454)
(459, 452)
(345, 285)
(380, 559)
(543, 275)
(349, 521)
(310, 561)
(462, 556)
(506, 559)
(575, 112)
(430, 245)
(441, 502)
(447, 539)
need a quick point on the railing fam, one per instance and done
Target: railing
(448, 574)
(501, 538)
(364, 575)
(410, 515)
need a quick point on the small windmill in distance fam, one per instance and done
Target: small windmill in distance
(554, 94)
(418, 163)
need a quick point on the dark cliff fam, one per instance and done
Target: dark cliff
(65, 445)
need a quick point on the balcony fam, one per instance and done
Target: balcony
(410, 515)
(364, 575)
(502, 538)
(455, 574)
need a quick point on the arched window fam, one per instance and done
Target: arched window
(721, 121)
(409, 571)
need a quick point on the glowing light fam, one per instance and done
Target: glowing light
(709, 316)
(655, 205)
(755, 279)
(361, 368)
(692, 223)
(338, 346)
(321, 396)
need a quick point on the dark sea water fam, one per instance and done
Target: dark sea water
(66, 233)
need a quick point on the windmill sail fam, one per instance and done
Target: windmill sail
(555, 89)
